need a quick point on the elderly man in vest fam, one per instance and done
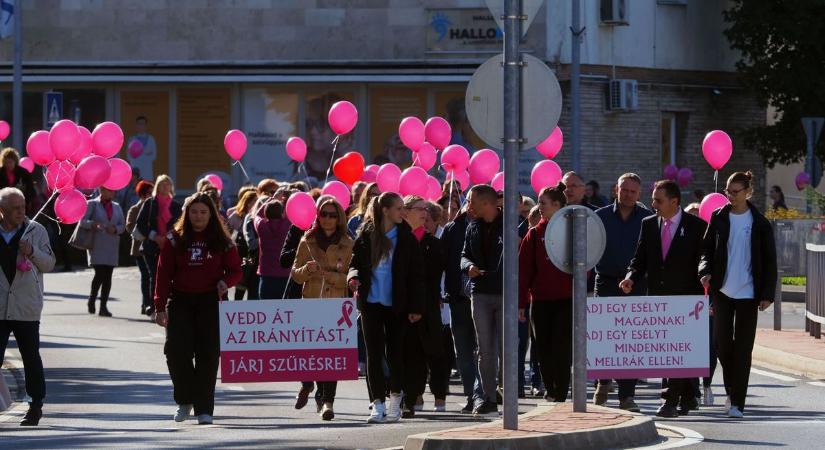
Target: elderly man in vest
(24, 256)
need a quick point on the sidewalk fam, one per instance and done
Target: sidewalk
(553, 425)
(793, 351)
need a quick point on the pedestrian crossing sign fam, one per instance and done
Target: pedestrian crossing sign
(52, 108)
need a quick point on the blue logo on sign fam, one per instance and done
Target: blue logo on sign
(441, 24)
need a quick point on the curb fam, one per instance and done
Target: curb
(637, 431)
(788, 362)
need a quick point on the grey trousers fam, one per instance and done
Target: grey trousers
(488, 324)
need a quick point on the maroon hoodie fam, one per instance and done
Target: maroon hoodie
(539, 279)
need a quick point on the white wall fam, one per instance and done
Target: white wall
(659, 36)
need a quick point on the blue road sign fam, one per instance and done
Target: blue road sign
(52, 108)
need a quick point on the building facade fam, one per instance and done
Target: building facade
(272, 68)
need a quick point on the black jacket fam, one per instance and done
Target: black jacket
(473, 255)
(763, 253)
(407, 271)
(452, 240)
(678, 274)
(430, 327)
(147, 222)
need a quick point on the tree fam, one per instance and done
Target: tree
(782, 43)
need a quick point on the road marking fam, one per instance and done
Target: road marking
(775, 376)
(689, 437)
(232, 388)
(816, 383)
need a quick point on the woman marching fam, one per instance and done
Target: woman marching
(321, 265)
(386, 272)
(549, 293)
(196, 268)
(738, 268)
(105, 218)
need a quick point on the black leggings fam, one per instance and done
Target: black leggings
(102, 282)
(384, 338)
(735, 332)
(553, 325)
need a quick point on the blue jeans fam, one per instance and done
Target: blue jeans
(464, 341)
(145, 278)
(272, 288)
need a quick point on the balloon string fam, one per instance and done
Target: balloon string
(306, 172)
(246, 175)
(716, 180)
(450, 199)
(332, 158)
(25, 230)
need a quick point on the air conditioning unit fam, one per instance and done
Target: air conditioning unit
(614, 12)
(622, 95)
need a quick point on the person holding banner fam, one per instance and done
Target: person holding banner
(197, 266)
(739, 270)
(549, 292)
(622, 223)
(668, 253)
(387, 275)
(321, 265)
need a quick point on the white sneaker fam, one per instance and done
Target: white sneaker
(377, 413)
(440, 408)
(183, 413)
(707, 396)
(394, 412)
(734, 413)
(204, 419)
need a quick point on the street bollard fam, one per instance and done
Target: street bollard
(579, 247)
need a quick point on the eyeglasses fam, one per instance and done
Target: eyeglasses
(733, 192)
(328, 215)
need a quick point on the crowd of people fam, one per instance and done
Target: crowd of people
(426, 276)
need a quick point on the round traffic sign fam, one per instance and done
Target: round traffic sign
(558, 239)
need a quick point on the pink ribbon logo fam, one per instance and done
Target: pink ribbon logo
(346, 310)
(700, 305)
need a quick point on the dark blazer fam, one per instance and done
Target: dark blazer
(452, 240)
(763, 253)
(678, 274)
(407, 271)
(147, 222)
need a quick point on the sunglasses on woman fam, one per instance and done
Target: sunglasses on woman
(329, 215)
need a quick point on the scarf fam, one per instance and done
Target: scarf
(164, 213)
(419, 233)
(10, 177)
(325, 241)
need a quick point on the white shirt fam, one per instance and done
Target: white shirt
(738, 283)
(674, 224)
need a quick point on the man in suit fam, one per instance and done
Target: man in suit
(668, 252)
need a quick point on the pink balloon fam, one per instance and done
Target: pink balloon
(235, 144)
(463, 178)
(135, 148)
(120, 175)
(70, 206)
(455, 158)
(437, 132)
(84, 146)
(411, 132)
(38, 149)
(684, 177)
(388, 178)
(498, 182)
(717, 148)
(710, 204)
(215, 181)
(802, 180)
(107, 139)
(413, 181)
(342, 117)
(551, 146)
(300, 210)
(338, 190)
(92, 172)
(670, 172)
(60, 176)
(483, 166)
(4, 130)
(64, 139)
(27, 163)
(296, 149)
(370, 173)
(425, 156)
(545, 174)
(433, 189)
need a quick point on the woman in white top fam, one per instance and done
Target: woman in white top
(738, 268)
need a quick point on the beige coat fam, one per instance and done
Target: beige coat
(23, 299)
(131, 222)
(334, 265)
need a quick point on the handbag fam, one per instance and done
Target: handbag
(82, 238)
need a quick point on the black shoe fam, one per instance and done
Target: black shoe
(104, 312)
(32, 417)
(468, 409)
(91, 306)
(407, 413)
(486, 409)
(667, 411)
(302, 398)
(686, 406)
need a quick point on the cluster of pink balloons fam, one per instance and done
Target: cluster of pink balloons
(76, 158)
(683, 176)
